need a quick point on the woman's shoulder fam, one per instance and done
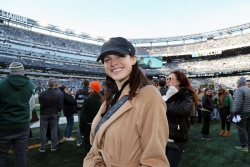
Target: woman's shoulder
(149, 89)
(185, 93)
(93, 97)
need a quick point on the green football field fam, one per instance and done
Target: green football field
(218, 152)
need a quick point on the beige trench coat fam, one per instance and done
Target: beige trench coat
(135, 135)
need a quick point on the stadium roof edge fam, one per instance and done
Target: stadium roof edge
(27, 22)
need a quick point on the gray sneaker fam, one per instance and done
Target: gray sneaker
(42, 150)
(244, 149)
(54, 149)
(79, 144)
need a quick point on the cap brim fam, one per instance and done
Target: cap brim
(101, 57)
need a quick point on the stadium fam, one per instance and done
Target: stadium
(198, 55)
(217, 57)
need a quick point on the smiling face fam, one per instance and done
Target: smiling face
(209, 92)
(119, 67)
(248, 83)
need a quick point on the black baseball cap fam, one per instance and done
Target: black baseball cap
(116, 44)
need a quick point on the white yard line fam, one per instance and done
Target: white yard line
(61, 121)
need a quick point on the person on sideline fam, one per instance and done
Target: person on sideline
(131, 128)
(32, 104)
(90, 107)
(181, 99)
(69, 108)
(49, 106)
(15, 93)
(155, 82)
(162, 85)
(60, 93)
(59, 133)
(207, 108)
(199, 106)
(81, 95)
(241, 106)
(248, 83)
(224, 101)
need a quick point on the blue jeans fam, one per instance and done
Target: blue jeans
(50, 120)
(18, 139)
(79, 136)
(244, 131)
(69, 126)
(174, 156)
(59, 133)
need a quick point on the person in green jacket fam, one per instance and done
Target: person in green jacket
(224, 101)
(15, 92)
(90, 107)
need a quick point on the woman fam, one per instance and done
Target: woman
(90, 107)
(69, 108)
(199, 106)
(137, 131)
(181, 100)
(207, 108)
(224, 101)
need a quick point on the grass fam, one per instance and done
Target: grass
(218, 152)
(68, 154)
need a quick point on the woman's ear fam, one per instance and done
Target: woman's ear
(134, 60)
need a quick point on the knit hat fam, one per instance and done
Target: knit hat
(95, 85)
(242, 81)
(16, 68)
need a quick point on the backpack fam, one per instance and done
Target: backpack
(80, 99)
(82, 94)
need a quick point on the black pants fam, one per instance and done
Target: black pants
(199, 116)
(224, 112)
(86, 133)
(206, 123)
(174, 155)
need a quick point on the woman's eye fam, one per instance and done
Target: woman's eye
(106, 60)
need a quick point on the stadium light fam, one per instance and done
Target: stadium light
(63, 29)
(42, 23)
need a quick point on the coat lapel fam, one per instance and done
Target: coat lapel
(124, 108)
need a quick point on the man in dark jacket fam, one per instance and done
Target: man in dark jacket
(49, 106)
(60, 103)
(15, 94)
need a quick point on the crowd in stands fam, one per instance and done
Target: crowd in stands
(220, 43)
(24, 35)
(229, 63)
(52, 63)
(28, 36)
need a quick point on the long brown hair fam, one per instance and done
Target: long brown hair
(185, 83)
(136, 80)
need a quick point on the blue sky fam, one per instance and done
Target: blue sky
(134, 18)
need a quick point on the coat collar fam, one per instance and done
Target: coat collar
(123, 109)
